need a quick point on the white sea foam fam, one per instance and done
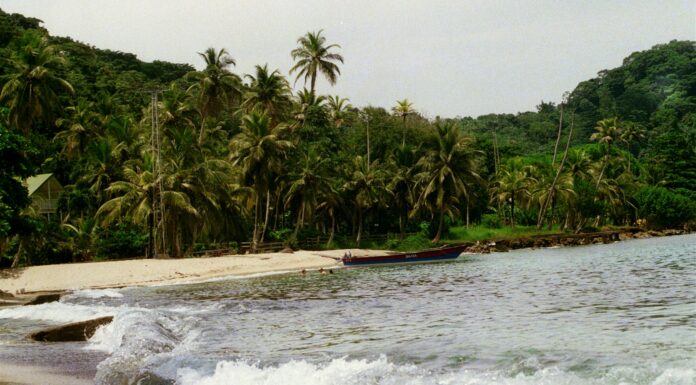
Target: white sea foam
(57, 312)
(95, 293)
(381, 372)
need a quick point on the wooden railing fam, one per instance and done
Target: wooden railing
(269, 247)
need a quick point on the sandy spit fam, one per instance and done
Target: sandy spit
(147, 272)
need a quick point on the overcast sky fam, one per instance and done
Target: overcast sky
(448, 57)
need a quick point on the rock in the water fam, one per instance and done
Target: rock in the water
(44, 298)
(78, 331)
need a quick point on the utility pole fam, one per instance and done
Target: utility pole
(158, 209)
(367, 124)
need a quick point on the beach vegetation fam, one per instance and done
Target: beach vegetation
(163, 159)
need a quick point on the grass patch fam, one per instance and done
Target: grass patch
(480, 233)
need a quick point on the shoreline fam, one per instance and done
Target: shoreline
(24, 284)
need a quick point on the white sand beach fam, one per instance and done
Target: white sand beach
(143, 272)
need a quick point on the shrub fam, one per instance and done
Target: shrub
(663, 207)
(491, 221)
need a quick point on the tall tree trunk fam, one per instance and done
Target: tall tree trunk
(558, 137)
(18, 254)
(255, 239)
(333, 230)
(276, 212)
(403, 136)
(467, 213)
(440, 226)
(314, 80)
(545, 205)
(298, 223)
(268, 209)
(553, 206)
(403, 217)
(512, 211)
(201, 134)
(360, 226)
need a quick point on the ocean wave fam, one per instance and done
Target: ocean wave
(94, 294)
(57, 312)
(343, 371)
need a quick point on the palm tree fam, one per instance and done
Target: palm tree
(512, 186)
(631, 133)
(305, 103)
(133, 198)
(337, 109)
(31, 88)
(366, 185)
(448, 172)
(268, 92)
(608, 131)
(307, 187)
(260, 150)
(215, 88)
(402, 163)
(80, 128)
(403, 109)
(314, 56)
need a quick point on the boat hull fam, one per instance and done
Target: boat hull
(435, 255)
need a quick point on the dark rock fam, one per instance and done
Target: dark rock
(78, 331)
(44, 298)
(6, 295)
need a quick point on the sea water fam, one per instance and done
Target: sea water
(621, 314)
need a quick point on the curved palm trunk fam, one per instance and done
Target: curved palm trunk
(314, 80)
(300, 219)
(15, 261)
(333, 230)
(360, 226)
(544, 207)
(403, 136)
(268, 209)
(254, 237)
(440, 226)
(558, 137)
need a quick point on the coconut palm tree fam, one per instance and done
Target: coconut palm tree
(512, 186)
(133, 197)
(215, 88)
(448, 171)
(305, 103)
(32, 86)
(307, 187)
(402, 164)
(403, 108)
(608, 131)
(268, 92)
(631, 133)
(367, 186)
(314, 56)
(79, 129)
(338, 108)
(260, 150)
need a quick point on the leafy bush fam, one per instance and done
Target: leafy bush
(491, 221)
(122, 240)
(663, 207)
(280, 235)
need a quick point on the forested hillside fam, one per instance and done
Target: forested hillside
(158, 158)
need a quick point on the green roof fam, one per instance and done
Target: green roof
(36, 181)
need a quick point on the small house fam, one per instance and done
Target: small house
(44, 190)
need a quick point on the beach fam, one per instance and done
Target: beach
(147, 272)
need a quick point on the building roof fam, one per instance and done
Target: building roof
(36, 181)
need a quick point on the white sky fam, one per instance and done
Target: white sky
(448, 57)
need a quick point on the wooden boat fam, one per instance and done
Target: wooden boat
(430, 255)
